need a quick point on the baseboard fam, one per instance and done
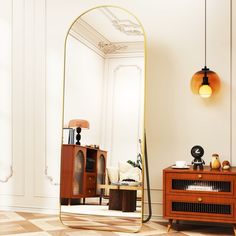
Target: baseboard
(30, 209)
(158, 218)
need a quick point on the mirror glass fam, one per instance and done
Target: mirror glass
(101, 161)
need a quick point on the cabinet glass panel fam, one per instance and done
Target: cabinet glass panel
(201, 207)
(91, 160)
(201, 185)
(100, 172)
(78, 173)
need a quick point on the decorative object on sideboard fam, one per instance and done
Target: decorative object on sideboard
(215, 162)
(197, 152)
(78, 135)
(95, 146)
(226, 165)
(205, 82)
(180, 165)
(138, 162)
(77, 125)
(68, 136)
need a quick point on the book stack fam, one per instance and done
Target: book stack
(68, 136)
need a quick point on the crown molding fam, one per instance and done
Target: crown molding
(87, 43)
(125, 26)
(86, 34)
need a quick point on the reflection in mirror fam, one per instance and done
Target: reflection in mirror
(101, 162)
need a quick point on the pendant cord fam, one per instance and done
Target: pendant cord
(231, 79)
(205, 30)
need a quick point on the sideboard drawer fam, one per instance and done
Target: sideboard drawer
(90, 180)
(199, 182)
(90, 192)
(193, 206)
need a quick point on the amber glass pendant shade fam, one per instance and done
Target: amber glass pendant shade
(199, 88)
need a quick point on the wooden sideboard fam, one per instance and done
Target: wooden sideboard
(199, 195)
(82, 170)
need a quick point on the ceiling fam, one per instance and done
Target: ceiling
(114, 24)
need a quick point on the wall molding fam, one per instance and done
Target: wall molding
(9, 173)
(7, 177)
(89, 36)
(86, 42)
(154, 203)
(114, 80)
(126, 26)
(133, 52)
(108, 48)
(51, 179)
(155, 189)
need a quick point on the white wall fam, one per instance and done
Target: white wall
(176, 119)
(84, 89)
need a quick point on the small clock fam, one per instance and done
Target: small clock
(197, 152)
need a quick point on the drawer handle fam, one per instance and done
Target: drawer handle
(199, 199)
(200, 176)
(90, 178)
(89, 191)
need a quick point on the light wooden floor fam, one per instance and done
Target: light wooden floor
(32, 224)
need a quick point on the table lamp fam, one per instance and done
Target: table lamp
(78, 125)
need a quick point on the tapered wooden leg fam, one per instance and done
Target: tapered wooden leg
(100, 200)
(235, 230)
(177, 225)
(169, 225)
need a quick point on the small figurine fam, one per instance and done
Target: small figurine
(215, 162)
(225, 165)
(197, 152)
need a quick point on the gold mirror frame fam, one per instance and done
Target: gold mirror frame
(143, 151)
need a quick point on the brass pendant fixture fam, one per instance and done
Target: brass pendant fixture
(205, 82)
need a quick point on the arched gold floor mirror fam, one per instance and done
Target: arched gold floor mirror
(102, 156)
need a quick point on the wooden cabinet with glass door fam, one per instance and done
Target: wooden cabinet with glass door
(82, 170)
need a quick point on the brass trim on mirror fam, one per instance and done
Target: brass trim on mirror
(143, 146)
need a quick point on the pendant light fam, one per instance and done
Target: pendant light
(205, 82)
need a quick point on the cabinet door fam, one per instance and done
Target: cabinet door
(78, 180)
(101, 167)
